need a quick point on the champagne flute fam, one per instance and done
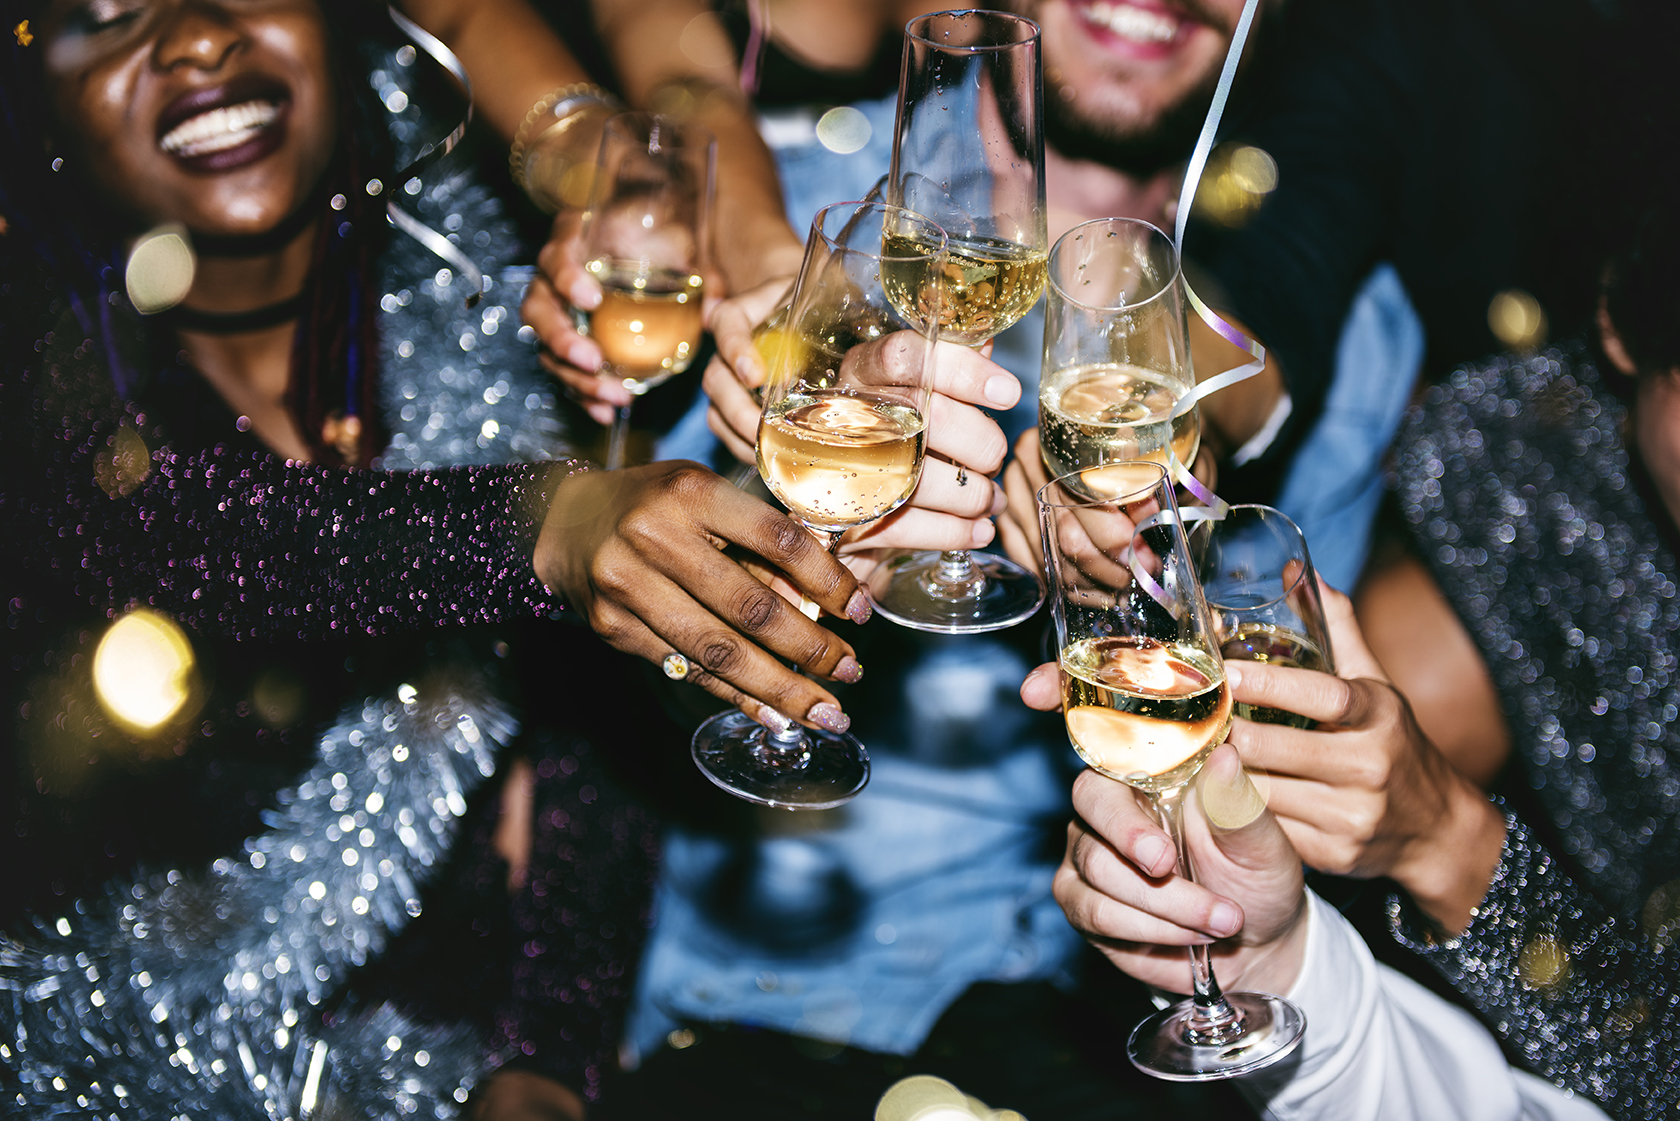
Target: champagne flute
(1116, 354)
(646, 238)
(1146, 701)
(840, 444)
(1263, 593)
(968, 151)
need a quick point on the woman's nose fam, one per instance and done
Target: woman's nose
(197, 34)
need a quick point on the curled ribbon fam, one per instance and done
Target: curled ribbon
(1216, 507)
(430, 154)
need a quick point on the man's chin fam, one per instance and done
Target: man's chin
(1142, 150)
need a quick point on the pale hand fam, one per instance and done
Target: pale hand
(1118, 887)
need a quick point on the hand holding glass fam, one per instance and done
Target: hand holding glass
(1146, 701)
(840, 444)
(645, 240)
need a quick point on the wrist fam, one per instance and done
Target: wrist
(561, 524)
(1448, 876)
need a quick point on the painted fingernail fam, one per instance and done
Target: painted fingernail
(1149, 852)
(848, 670)
(858, 608)
(1224, 920)
(1001, 390)
(773, 720)
(829, 716)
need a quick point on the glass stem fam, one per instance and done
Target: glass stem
(1212, 1020)
(619, 437)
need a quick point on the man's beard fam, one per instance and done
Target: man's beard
(1140, 152)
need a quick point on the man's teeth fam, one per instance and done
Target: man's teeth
(219, 129)
(1128, 22)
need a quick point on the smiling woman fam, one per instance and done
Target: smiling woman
(140, 466)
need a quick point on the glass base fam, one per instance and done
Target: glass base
(954, 593)
(1269, 1029)
(808, 770)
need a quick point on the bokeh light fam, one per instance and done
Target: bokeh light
(1237, 180)
(144, 673)
(1517, 320)
(160, 269)
(123, 466)
(1544, 964)
(844, 130)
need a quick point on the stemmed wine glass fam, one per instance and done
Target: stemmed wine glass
(968, 151)
(1116, 354)
(1146, 701)
(646, 239)
(1263, 593)
(840, 444)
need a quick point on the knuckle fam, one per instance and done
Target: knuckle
(783, 537)
(757, 609)
(721, 654)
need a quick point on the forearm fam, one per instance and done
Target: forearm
(510, 52)
(1448, 873)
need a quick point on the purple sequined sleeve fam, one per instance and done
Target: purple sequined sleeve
(97, 510)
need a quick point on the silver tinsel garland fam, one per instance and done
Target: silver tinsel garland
(195, 996)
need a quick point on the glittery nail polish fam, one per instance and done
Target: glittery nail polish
(848, 670)
(829, 716)
(858, 608)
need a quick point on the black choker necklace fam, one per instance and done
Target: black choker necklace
(236, 322)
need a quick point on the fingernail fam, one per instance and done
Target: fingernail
(585, 296)
(829, 716)
(1224, 920)
(984, 531)
(1000, 500)
(773, 720)
(583, 356)
(858, 608)
(848, 670)
(1149, 852)
(1233, 675)
(1001, 390)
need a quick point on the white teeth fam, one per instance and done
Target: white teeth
(219, 129)
(1137, 24)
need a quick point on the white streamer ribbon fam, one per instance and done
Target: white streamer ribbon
(430, 154)
(1216, 506)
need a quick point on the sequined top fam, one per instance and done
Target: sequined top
(1519, 486)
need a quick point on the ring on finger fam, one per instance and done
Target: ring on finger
(962, 476)
(675, 666)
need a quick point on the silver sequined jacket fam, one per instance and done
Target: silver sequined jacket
(194, 991)
(1518, 484)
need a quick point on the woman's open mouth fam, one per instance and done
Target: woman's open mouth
(225, 126)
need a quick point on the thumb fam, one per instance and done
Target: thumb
(1347, 642)
(1246, 833)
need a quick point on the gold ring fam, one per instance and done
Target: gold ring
(962, 477)
(675, 666)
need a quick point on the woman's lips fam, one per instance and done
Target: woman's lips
(222, 127)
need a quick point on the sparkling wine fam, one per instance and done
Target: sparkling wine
(1108, 412)
(986, 286)
(838, 460)
(1142, 711)
(648, 324)
(1264, 642)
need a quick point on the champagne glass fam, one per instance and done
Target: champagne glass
(1261, 589)
(968, 151)
(1116, 355)
(1146, 701)
(840, 444)
(645, 239)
